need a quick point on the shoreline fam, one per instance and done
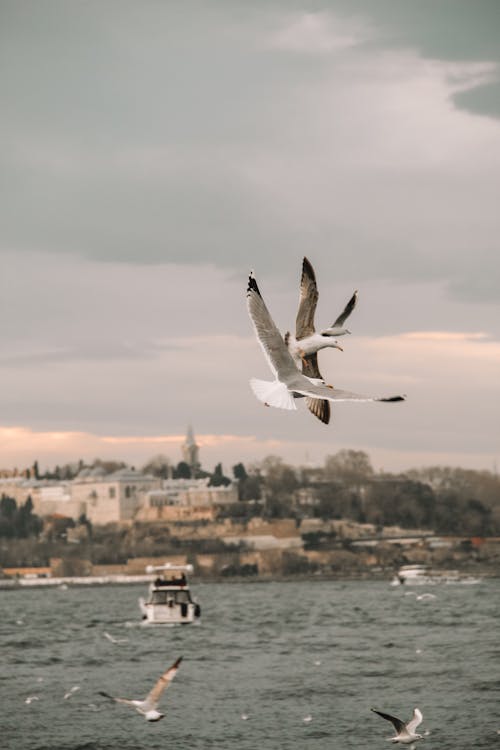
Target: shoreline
(18, 584)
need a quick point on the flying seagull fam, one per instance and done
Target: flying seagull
(289, 382)
(405, 733)
(306, 340)
(149, 706)
(306, 343)
(113, 639)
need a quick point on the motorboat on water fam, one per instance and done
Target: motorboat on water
(415, 575)
(169, 600)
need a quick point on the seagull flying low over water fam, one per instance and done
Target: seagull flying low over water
(405, 733)
(149, 706)
(306, 343)
(289, 382)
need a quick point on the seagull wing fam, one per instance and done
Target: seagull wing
(304, 324)
(347, 311)
(268, 336)
(319, 407)
(415, 720)
(303, 385)
(126, 701)
(399, 725)
(164, 681)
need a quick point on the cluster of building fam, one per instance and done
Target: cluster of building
(124, 495)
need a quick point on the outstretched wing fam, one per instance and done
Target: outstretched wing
(268, 336)
(304, 323)
(164, 681)
(126, 701)
(320, 408)
(399, 725)
(303, 386)
(317, 406)
(347, 311)
(415, 720)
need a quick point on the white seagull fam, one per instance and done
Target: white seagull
(149, 706)
(306, 343)
(306, 340)
(405, 733)
(113, 639)
(289, 383)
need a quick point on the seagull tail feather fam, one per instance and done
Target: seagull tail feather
(273, 393)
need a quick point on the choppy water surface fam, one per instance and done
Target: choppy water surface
(277, 652)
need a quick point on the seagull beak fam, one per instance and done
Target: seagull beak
(339, 347)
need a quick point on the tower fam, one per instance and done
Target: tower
(190, 452)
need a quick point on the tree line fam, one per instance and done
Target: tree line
(442, 499)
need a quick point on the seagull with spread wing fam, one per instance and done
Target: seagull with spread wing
(306, 340)
(149, 706)
(289, 382)
(306, 343)
(405, 733)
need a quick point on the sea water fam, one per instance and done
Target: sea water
(303, 662)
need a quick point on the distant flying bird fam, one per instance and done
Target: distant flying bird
(405, 733)
(149, 706)
(113, 639)
(289, 383)
(306, 343)
(71, 692)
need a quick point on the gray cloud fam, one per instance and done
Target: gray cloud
(177, 135)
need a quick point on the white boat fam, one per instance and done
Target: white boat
(169, 599)
(416, 575)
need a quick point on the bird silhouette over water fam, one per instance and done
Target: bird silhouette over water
(149, 706)
(405, 733)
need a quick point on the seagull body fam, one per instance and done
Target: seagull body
(307, 342)
(149, 706)
(113, 639)
(405, 733)
(71, 692)
(289, 382)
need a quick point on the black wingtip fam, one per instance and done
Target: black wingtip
(392, 400)
(177, 662)
(252, 284)
(307, 268)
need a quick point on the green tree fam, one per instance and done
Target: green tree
(239, 472)
(218, 479)
(352, 467)
(182, 471)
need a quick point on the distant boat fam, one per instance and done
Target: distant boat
(417, 575)
(169, 599)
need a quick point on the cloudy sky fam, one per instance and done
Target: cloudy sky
(152, 153)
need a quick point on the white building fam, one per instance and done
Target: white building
(112, 497)
(190, 493)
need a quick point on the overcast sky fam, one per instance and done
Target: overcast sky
(152, 153)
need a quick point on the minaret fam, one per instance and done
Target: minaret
(190, 452)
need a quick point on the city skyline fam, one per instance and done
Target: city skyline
(154, 156)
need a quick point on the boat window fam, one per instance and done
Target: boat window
(182, 596)
(159, 597)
